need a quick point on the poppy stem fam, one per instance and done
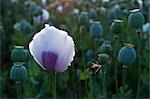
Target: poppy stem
(139, 64)
(94, 80)
(54, 85)
(84, 67)
(104, 79)
(116, 65)
(93, 86)
(124, 79)
(18, 87)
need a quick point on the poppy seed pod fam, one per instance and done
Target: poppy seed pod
(103, 59)
(105, 48)
(89, 54)
(30, 6)
(136, 19)
(106, 42)
(18, 72)
(127, 54)
(116, 27)
(93, 14)
(112, 14)
(19, 54)
(25, 27)
(83, 19)
(38, 10)
(96, 30)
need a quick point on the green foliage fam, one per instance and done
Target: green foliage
(82, 79)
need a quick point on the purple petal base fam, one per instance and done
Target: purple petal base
(49, 60)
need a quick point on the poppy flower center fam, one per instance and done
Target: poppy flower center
(49, 60)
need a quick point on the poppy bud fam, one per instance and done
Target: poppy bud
(127, 54)
(136, 19)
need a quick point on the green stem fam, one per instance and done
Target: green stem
(18, 86)
(91, 86)
(84, 68)
(80, 89)
(93, 81)
(54, 85)
(94, 77)
(124, 79)
(139, 64)
(104, 79)
(96, 45)
(116, 65)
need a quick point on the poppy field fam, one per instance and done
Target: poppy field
(74, 49)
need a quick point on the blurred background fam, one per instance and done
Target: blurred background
(21, 19)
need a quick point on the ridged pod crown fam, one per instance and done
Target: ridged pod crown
(83, 19)
(117, 27)
(136, 19)
(19, 54)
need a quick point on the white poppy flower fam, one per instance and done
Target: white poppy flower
(140, 2)
(93, 0)
(14, 1)
(52, 49)
(60, 9)
(76, 11)
(41, 18)
(146, 28)
(43, 2)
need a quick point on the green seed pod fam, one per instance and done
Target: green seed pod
(18, 72)
(96, 30)
(93, 14)
(105, 48)
(127, 54)
(83, 19)
(38, 10)
(136, 19)
(103, 59)
(106, 42)
(19, 54)
(116, 27)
